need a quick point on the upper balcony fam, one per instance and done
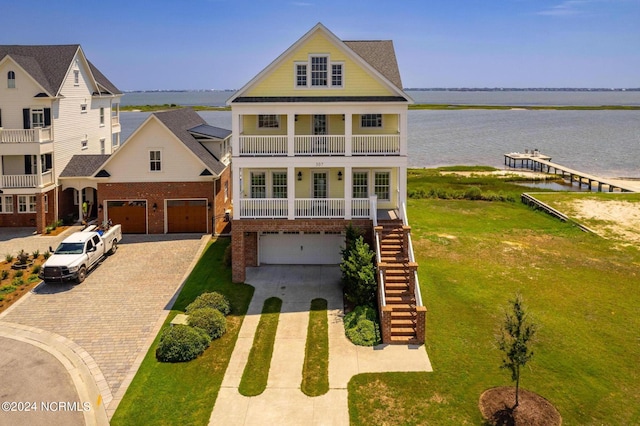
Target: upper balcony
(26, 141)
(319, 145)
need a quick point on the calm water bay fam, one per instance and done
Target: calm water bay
(605, 143)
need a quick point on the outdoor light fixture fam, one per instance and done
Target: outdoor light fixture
(155, 207)
(209, 205)
(100, 207)
(299, 175)
(340, 175)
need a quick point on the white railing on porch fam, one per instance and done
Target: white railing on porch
(25, 135)
(405, 222)
(319, 207)
(268, 208)
(360, 207)
(263, 145)
(375, 144)
(19, 181)
(319, 145)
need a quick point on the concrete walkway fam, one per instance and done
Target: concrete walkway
(283, 402)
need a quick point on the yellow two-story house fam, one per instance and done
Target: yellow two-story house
(319, 142)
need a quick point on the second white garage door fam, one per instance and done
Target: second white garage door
(300, 249)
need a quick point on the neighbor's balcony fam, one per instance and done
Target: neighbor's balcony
(27, 181)
(39, 135)
(306, 208)
(319, 145)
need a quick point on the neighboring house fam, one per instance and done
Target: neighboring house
(320, 142)
(172, 175)
(53, 104)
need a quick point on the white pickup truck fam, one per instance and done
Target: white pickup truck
(79, 252)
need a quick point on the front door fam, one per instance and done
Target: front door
(320, 191)
(319, 145)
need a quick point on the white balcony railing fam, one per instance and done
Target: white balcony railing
(115, 120)
(38, 135)
(263, 145)
(319, 145)
(19, 181)
(307, 208)
(376, 144)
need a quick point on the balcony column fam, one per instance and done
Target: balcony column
(291, 192)
(236, 132)
(236, 189)
(291, 135)
(348, 130)
(38, 171)
(402, 185)
(402, 130)
(348, 193)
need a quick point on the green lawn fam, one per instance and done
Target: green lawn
(315, 371)
(580, 289)
(184, 393)
(256, 371)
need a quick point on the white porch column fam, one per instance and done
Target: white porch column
(291, 134)
(236, 189)
(235, 131)
(291, 192)
(38, 171)
(348, 133)
(403, 126)
(402, 185)
(348, 192)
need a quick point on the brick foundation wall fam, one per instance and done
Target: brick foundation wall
(222, 205)
(244, 239)
(156, 192)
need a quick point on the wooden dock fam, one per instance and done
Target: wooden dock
(542, 163)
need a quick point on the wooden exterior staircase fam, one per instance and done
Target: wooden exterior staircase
(401, 312)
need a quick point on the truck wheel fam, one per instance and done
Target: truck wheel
(82, 274)
(114, 247)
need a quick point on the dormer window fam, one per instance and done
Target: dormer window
(11, 80)
(319, 72)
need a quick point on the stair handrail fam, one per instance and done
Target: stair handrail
(405, 222)
(381, 295)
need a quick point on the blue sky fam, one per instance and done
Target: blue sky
(222, 44)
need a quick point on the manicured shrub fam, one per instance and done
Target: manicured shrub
(361, 326)
(181, 343)
(18, 274)
(210, 320)
(8, 289)
(17, 281)
(473, 193)
(46, 255)
(8, 257)
(33, 278)
(4, 274)
(358, 274)
(213, 300)
(35, 254)
(36, 269)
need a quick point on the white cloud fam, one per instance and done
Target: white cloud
(566, 8)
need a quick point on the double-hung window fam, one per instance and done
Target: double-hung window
(258, 185)
(279, 183)
(371, 120)
(37, 118)
(6, 203)
(336, 75)
(319, 70)
(360, 185)
(268, 121)
(102, 116)
(155, 161)
(382, 186)
(301, 75)
(11, 80)
(26, 203)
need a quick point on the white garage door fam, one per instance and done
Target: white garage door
(300, 249)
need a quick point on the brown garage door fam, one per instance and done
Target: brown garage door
(130, 214)
(187, 216)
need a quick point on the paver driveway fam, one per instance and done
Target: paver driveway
(114, 314)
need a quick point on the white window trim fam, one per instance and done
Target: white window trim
(101, 116)
(381, 126)
(268, 128)
(27, 199)
(11, 82)
(76, 77)
(149, 160)
(266, 183)
(103, 146)
(311, 173)
(330, 64)
(373, 181)
(286, 183)
(368, 173)
(6, 201)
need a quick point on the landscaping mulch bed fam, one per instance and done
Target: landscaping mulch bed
(10, 298)
(533, 410)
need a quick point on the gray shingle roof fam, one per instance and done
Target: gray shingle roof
(381, 55)
(83, 165)
(211, 131)
(180, 121)
(48, 65)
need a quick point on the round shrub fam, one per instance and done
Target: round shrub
(210, 300)
(210, 320)
(361, 326)
(181, 343)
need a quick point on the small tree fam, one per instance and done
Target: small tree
(359, 274)
(515, 340)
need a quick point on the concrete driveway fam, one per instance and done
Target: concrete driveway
(283, 403)
(116, 313)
